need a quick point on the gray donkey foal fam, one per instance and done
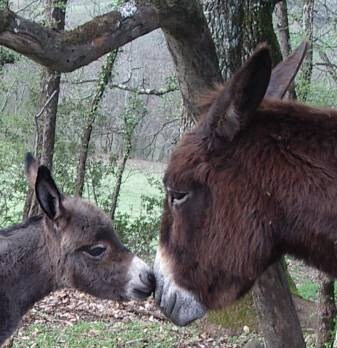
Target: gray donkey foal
(72, 244)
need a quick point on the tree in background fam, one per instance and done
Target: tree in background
(132, 116)
(45, 120)
(103, 80)
(308, 32)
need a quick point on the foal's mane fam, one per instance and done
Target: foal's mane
(9, 231)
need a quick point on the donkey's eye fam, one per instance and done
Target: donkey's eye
(177, 197)
(94, 250)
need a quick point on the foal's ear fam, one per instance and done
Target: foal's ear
(31, 168)
(47, 193)
(232, 108)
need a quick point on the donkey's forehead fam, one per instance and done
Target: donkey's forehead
(189, 162)
(84, 214)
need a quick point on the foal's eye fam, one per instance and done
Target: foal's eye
(177, 197)
(95, 251)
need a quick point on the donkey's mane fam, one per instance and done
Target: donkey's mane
(9, 231)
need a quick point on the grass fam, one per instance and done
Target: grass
(308, 290)
(105, 334)
(135, 185)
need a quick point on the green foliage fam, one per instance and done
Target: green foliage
(308, 290)
(7, 56)
(141, 233)
(13, 187)
(4, 4)
(132, 114)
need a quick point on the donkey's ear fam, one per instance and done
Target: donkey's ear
(231, 110)
(47, 193)
(284, 72)
(31, 168)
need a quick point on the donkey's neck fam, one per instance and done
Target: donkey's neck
(318, 249)
(26, 272)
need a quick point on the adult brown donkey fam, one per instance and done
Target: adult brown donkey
(72, 244)
(254, 180)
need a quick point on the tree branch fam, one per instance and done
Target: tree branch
(67, 51)
(144, 91)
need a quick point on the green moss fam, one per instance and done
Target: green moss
(88, 31)
(236, 316)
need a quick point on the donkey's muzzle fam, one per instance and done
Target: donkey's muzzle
(141, 280)
(178, 304)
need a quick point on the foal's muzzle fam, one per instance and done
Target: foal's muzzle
(141, 280)
(179, 305)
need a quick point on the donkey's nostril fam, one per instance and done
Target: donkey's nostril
(148, 279)
(151, 278)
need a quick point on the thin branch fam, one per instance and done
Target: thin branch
(26, 6)
(154, 136)
(136, 90)
(331, 68)
(45, 105)
(144, 91)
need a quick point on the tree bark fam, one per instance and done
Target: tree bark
(55, 14)
(282, 25)
(326, 310)
(70, 50)
(119, 177)
(104, 78)
(279, 323)
(182, 21)
(50, 89)
(308, 30)
(237, 27)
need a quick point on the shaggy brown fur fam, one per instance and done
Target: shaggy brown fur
(261, 176)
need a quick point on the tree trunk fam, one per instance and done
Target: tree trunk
(250, 23)
(279, 323)
(326, 310)
(119, 177)
(104, 78)
(194, 56)
(55, 14)
(45, 121)
(308, 29)
(282, 25)
(237, 27)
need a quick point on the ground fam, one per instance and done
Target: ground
(68, 318)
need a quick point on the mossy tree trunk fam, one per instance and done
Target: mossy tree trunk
(326, 311)
(104, 78)
(308, 33)
(45, 121)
